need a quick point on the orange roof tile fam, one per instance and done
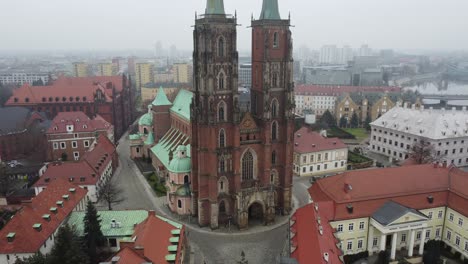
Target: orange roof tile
(80, 121)
(307, 141)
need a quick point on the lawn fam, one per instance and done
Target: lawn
(157, 186)
(359, 133)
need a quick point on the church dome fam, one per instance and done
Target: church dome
(183, 191)
(180, 165)
(146, 120)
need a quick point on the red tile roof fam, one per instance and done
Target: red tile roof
(311, 246)
(68, 90)
(80, 121)
(367, 190)
(85, 172)
(334, 90)
(129, 256)
(28, 240)
(307, 141)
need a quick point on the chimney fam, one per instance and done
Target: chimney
(53, 210)
(46, 217)
(72, 190)
(151, 213)
(430, 199)
(66, 197)
(350, 208)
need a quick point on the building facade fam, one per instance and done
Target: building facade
(21, 78)
(80, 69)
(252, 151)
(107, 69)
(183, 73)
(245, 75)
(144, 73)
(110, 97)
(315, 154)
(394, 133)
(72, 133)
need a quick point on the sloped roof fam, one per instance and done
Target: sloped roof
(182, 104)
(169, 143)
(432, 124)
(308, 141)
(335, 90)
(80, 121)
(28, 240)
(270, 10)
(391, 211)
(127, 256)
(126, 219)
(161, 98)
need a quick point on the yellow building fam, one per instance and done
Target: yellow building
(182, 73)
(80, 69)
(148, 94)
(107, 69)
(164, 77)
(143, 74)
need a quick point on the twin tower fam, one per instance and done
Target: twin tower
(241, 160)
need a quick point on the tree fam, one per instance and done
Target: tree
(6, 183)
(432, 253)
(328, 119)
(354, 120)
(94, 239)
(383, 258)
(343, 122)
(68, 248)
(111, 194)
(422, 152)
(5, 94)
(367, 123)
(38, 258)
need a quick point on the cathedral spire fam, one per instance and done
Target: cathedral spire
(214, 7)
(270, 10)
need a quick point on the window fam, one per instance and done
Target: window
(429, 215)
(466, 245)
(221, 47)
(311, 168)
(56, 146)
(221, 81)
(221, 185)
(247, 166)
(339, 228)
(350, 245)
(375, 241)
(457, 241)
(274, 108)
(274, 81)
(112, 242)
(74, 144)
(221, 112)
(186, 179)
(304, 169)
(361, 225)
(273, 157)
(222, 138)
(460, 221)
(437, 233)
(274, 131)
(86, 143)
(76, 155)
(403, 237)
(418, 235)
(439, 214)
(451, 217)
(275, 40)
(359, 243)
(179, 203)
(428, 234)
(449, 235)
(222, 165)
(63, 145)
(351, 227)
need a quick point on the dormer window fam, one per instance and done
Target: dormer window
(85, 126)
(26, 100)
(64, 99)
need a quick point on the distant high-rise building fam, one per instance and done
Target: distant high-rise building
(245, 75)
(365, 51)
(21, 77)
(107, 69)
(328, 54)
(143, 74)
(345, 55)
(80, 69)
(131, 65)
(182, 73)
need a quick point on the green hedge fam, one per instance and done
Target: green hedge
(157, 186)
(339, 133)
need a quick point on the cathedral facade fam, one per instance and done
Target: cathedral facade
(241, 161)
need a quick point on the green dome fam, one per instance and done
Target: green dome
(180, 165)
(146, 120)
(183, 191)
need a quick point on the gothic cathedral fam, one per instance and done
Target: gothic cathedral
(241, 160)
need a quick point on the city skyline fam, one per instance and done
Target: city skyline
(401, 25)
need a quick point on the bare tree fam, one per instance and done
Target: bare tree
(111, 194)
(422, 152)
(6, 183)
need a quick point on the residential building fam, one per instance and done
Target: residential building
(149, 92)
(403, 208)
(327, 75)
(144, 73)
(34, 227)
(320, 98)
(395, 132)
(21, 133)
(91, 172)
(245, 75)
(72, 133)
(22, 77)
(107, 69)
(116, 226)
(183, 73)
(164, 77)
(365, 51)
(80, 69)
(328, 54)
(109, 96)
(315, 154)
(142, 247)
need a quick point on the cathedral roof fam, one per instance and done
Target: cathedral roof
(161, 98)
(270, 10)
(214, 7)
(182, 103)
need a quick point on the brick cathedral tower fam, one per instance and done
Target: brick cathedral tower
(241, 161)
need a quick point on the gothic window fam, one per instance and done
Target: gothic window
(274, 177)
(222, 165)
(222, 138)
(274, 109)
(274, 131)
(222, 112)
(275, 80)
(222, 207)
(186, 179)
(145, 131)
(273, 157)
(221, 81)
(275, 40)
(221, 47)
(248, 166)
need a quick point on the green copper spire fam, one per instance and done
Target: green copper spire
(270, 10)
(161, 98)
(214, 7)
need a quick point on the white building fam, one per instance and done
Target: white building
(22, 77)
(315, 154)
(245, 75)
(394, 133)
(328, 54)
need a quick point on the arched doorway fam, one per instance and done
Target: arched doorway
(223, 216)
(255, 214)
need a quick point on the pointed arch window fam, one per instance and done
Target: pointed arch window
(273, 158)
(275, 80)
(222, 165)
(221, 47)
(274, 108)
(222, 138)
(222, 112)
(275, 40)
(221, 81)
(247, 166)
(274, 131)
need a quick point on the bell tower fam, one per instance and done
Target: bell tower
(215, 110)
(272, 94)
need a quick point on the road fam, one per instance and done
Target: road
(259, 247)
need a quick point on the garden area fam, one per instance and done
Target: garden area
(156, 184)
(358, 133)
(358, 161)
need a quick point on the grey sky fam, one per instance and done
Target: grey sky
(125, 24)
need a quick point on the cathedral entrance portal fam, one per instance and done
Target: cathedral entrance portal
(256, 214)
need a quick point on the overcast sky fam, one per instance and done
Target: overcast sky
(130, 24)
